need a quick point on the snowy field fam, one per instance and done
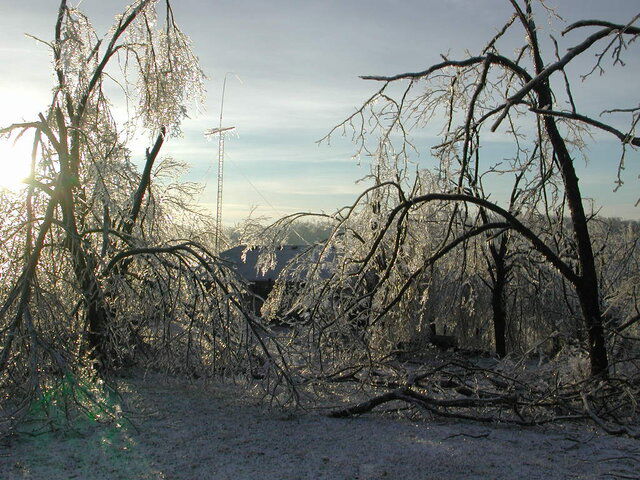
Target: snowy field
(194, 431)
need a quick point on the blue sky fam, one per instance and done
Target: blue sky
(299, 63)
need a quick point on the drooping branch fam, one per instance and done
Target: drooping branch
(111, 49)
(434, 258)
(624, 138)
(601, 23)
(490, 57)
(513, 222)
(19, 126)
(23, 286)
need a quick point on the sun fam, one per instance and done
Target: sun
(15, 161)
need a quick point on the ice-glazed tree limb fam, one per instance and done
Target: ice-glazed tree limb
(623, 137)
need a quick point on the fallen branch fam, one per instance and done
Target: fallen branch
(610, 430)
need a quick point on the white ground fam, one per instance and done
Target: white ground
(197, 432)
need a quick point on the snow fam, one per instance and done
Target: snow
(183, 430)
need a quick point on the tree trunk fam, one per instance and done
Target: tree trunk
(590, 306)
(499, 272)
(499, 311)
(587, 283)
(97, 313)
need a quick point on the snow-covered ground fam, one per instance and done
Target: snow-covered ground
(197, 431)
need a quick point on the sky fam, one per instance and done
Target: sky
(296, 67)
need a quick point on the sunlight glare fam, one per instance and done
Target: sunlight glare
(15, 161)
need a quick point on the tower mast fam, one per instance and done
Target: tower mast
(220, 131)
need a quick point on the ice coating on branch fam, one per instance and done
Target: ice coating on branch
(76, 46)
(169, 76)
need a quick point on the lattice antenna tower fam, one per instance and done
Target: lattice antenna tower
(220, 131)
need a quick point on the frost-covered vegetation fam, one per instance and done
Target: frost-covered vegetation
(427, 290)
(104, 266)
(434, 256)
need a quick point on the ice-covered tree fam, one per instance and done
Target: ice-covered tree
(527, 97)
(103, 264)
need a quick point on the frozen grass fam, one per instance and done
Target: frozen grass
(197, 431)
